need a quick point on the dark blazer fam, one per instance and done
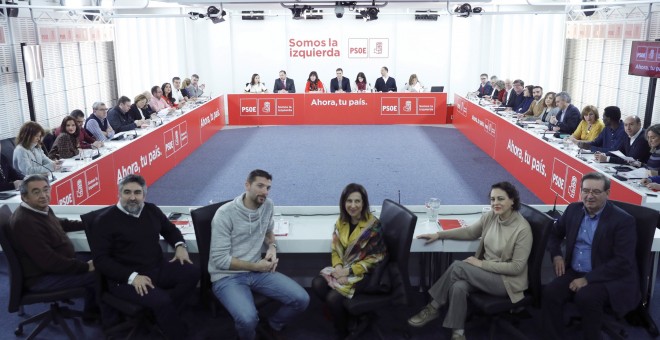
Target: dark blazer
(290, 87)
(134, 112)
(485, 90)
(345, 85)
(381, 86)
(120, 121)
(571, 121)
(612, 256)
(639, 149)
(516, 100)
(9, 175)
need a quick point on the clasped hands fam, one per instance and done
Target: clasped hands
(269, 262)
(341, 274)
(560, 269)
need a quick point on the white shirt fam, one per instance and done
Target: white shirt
(256, 88)
(177, 95)
(632, 139)
(418, 87)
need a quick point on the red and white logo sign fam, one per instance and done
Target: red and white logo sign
(267, 107)
(79, 188)
(565, 181)
(407, 106)
(358, 48)
(379, 48)
(175, 138)
(490, 127)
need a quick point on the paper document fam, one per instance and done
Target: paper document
(281, 228)
(184, 226)
(637, 173)
(622, 156)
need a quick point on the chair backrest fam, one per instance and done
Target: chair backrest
(8, 146)
(15, 269)
(201, 218)
(48, 141)
(541, 225)
(646, 220)
(88, 220)
(398, 225)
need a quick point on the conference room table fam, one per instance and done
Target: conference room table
(306, 247)
(549, 167)
(151, 151)
(337, 108)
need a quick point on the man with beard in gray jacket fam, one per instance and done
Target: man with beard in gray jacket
(241, 230)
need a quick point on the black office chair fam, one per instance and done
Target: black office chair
(398, 225)
(136, 316)
(646, 220)
(48, 141)
(19, 297)
(498, 308)
(201, 218)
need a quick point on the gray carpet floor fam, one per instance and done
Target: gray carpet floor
(311, 165)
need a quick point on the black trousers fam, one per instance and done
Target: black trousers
(590, 300)
(53, 282)
(173, 282)
(335, 303)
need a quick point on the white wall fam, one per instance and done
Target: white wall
(451, 51)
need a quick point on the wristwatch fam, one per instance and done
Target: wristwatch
(274, 245)
(182, 244)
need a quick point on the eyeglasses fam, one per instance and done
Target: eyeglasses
(595, 192)
(39, 192)
(101, 109)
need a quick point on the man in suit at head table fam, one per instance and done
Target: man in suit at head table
(195, 90)
(284, 84)
(634, 145)
(385, 83)
(340, 84)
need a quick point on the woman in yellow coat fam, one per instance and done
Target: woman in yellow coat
(590, 126)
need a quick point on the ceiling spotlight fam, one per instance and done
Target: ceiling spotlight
(370, 13)
(300, 12)
(463, 10)
(216, 15)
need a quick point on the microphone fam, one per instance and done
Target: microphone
(554, 213)
(98, 152)
(161, 119)
(136, 134)
(52, 176)
(372, 89)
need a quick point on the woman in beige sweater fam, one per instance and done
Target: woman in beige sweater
(499, 266)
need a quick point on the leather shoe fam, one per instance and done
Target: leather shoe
(425, 316)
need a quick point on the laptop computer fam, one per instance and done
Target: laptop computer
(437, 89)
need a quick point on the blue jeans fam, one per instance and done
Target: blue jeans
(235, 293)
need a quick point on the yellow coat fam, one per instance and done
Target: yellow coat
(587, 135)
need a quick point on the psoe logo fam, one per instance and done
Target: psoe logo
(80, 191)
(358, 48)
(379, 48)
(641, 53)
(407, 107)
(266, 107)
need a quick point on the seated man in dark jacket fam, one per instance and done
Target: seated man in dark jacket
(45, 251)
(634, 144)
(127, 251)
(599, 268)
(10, 178)
(568, 118)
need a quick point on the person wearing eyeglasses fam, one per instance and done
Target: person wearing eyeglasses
(598, 268)
(485, 87)
(97, 124)
(46, 253)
